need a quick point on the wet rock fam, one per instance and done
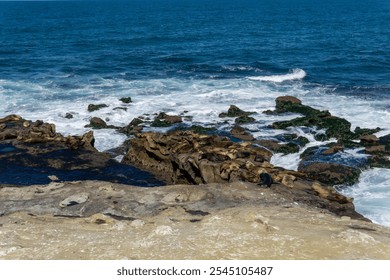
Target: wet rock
(240, 133)
(69, 116)
(133, 127)
(244, 119)
(276, 147)
(333, 149)
(378, 161)
(335, 127)
(292, 104)
(369, 139)
(359, 132)
(385, 140)
(330, 173)
(97, 123)
(120, 108)
(164, 120)
(376, 149)
(126, 100)
(234, 111)
(95, 107)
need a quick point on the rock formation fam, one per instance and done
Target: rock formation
(190, 158)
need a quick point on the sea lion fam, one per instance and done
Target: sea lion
(265, 180)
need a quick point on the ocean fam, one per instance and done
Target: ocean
(197, 57)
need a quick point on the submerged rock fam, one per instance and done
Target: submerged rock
(126, 100)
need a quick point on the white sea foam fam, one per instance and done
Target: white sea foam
(296, 74)
(372, 195)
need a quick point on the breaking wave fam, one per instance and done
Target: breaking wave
(296, 74)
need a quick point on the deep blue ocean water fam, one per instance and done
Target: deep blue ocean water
(198, 57)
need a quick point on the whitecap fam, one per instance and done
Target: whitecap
(296, 74)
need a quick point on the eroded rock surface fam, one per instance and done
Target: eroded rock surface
(215, 221)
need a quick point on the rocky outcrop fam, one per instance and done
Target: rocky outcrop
(164, 120)
(126, 100)
(15, 129)
(133, 127)
(30, 152)
(95, 107)
(90, 220)
(187, 157)
(240, 115)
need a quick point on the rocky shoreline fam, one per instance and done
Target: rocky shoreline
(216, 189)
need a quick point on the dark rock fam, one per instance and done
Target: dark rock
(95, 107)
(126, 100)
(302, 141)
(292, 104)
(68, 116)
(359, 132)
(269, 144)
(276, 147)
(385, 140)
(234, 111)
(120, 108)
(378, 161)
(136, 121)
(240, 133)
(330, 173)
(97, 123)
(133, 127)
(244, 119)
(201, 129)
(288, 148)
(164, 120)
(335, 127)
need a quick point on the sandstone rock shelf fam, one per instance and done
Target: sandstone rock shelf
(215, 221)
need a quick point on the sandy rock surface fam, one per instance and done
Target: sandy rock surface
(99, 220)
